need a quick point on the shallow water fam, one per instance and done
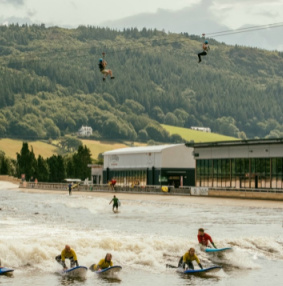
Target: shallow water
(143, 237)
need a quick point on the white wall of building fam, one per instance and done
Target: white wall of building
(247, 151)
(164, 156)
(178, 157)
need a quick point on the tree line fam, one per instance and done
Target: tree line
(53, 169)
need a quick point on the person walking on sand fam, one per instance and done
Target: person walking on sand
(115, 204)
(112, 184)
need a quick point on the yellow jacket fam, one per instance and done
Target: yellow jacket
(188, 257)
(69, 254)
(104, 264)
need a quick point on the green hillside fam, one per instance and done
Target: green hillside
(196, 136)
(50, 85)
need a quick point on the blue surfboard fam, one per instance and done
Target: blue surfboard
(198, 271)
(5, 270)
(210, 250)
(78, 271)
(112, 269)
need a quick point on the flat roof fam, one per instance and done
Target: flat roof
(141, 149)
(236, 143)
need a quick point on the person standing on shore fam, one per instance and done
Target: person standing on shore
(70, 189)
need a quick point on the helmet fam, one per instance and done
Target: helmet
(100, 60)
(206, 42)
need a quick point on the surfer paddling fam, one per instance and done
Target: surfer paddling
(103, 263)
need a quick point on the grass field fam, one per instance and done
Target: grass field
(11, 147)
(197, 136)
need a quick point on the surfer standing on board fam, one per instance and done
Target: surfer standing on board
(204, 238)
(115, 203)
(69, 253)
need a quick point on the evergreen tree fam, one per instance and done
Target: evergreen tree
(26, 162)
(81, 160)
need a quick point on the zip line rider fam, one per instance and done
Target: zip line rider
(205, 48)
(102, 67)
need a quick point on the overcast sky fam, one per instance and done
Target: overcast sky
(191, 16)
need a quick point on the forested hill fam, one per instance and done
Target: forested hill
(50, 84)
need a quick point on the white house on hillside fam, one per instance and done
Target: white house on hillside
(85, 131)
(203, 129)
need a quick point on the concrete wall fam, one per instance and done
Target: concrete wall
(246, 195)
(9, 179)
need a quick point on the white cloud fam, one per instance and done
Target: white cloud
(12, 2)
(193, 16)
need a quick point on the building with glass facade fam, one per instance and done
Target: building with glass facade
(239, 164)
(171, 165)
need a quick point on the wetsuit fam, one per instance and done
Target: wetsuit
(115, 203)
(67, 254)
(102, 264)
(203, 239)
(188, 259)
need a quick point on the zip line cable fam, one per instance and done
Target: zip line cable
(244, 30)
(154, 43)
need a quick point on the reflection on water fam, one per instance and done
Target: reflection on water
(72, 281)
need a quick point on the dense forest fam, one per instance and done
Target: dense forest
(50, 85)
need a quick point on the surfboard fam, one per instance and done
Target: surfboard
(199, 271)
(109, 270)
(78, 271)
(5, 270)
(164, 189)
(213, 250)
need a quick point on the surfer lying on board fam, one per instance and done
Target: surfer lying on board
(188, 258)
(69, 253)
(103, 263)
(204, 238)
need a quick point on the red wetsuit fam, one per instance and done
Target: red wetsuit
(203, 239)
